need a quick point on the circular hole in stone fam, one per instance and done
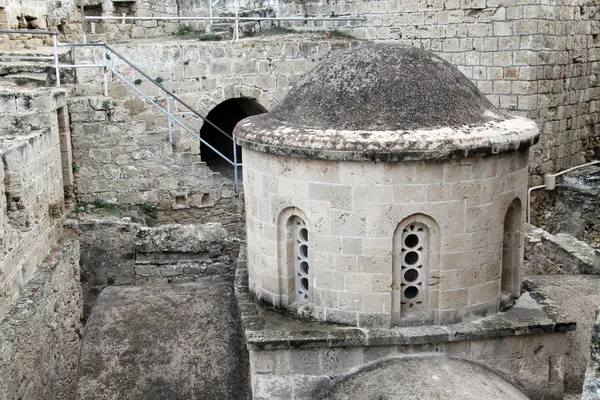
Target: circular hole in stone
(304, 234)
(411, 240)
(411, 292)
(411, 275)
(411, 257)
(304, 283)
(304, 267)
(304, 251)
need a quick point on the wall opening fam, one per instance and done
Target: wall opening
(294, 258)
(66, 155)
(512, 250)
(226, 115)
(415, 257)
(92, 11)
(124, 7)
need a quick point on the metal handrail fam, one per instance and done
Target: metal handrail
(54, 56)
(174, 96)
(106, 67)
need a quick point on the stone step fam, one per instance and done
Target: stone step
(27, 80)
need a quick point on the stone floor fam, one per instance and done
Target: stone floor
(171, 341)
(578, 296)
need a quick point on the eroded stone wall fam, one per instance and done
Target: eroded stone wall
(40, 335)
(122, 252)
(530, 58)
(533, 363)
(118, 158)
(32, 201)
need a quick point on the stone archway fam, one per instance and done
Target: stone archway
(225, 115)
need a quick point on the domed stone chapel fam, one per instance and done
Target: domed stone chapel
(386, 189)
(385, 192)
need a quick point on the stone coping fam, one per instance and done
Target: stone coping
(266, 328)
(268, 135)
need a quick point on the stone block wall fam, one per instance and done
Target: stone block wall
(32, 201)
(530, 58)
(205, 74)
(40, 335)
(118, 158)
(122, 252)
(353, 210)
(532, 362)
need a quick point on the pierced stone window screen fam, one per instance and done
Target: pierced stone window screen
(300, 237)
(414, 263)
(512, 250)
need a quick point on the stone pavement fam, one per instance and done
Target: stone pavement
(167, 341)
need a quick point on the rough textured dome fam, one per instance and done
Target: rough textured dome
(385, 102)
(385, 87)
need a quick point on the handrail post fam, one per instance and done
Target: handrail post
(235, 167)
(170, 118)
(56, 67)
(83, 37)
(236, 34)
(105, 71)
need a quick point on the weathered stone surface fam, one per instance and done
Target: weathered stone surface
(578, 296)
(576, 210)
(385, 102)
(548, 254)
(31, 184)
(434, 377)
(120, 252)
(180, 341)
(591, 386)
(40, 335)
(291, 355)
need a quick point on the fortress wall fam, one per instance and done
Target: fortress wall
(39, 337)
(32, 203)
(530, 58)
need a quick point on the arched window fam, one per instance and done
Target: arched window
(300, 232)
(293, 256)
(413, 270)
(415, 264)
(512, 250)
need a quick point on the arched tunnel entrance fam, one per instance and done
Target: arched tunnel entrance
(225, 115)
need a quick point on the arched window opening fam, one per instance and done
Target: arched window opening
(225, 116)
(512, 250)
(413, 266)
(301, 259)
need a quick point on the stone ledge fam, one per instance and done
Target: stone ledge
(267, 328)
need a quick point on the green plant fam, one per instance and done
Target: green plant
(105, 104)
(74, 167)
(159, 80)
(184, 31)
(138, 81)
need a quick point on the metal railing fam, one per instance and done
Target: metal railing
(53, 57)
(236, 20)
(106, 68)
(171, 99)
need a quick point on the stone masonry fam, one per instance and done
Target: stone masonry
(40, 336)
(530, 58)
(31, 185)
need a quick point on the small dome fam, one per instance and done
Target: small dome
(385, 87)
(385, 102)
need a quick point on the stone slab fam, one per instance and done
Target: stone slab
(178, 341)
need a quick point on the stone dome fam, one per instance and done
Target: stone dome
(385, 102)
